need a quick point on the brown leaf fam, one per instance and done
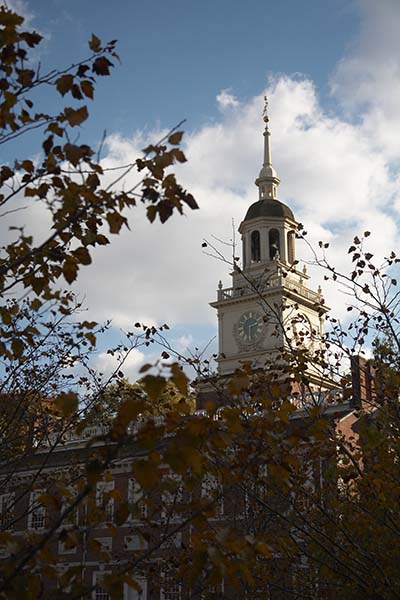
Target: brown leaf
(115, 221)
(76, 117)
(87, 88)
(17, 347)
(101, 66)
(64, 84)
(175, 138)
(70, 269)
(94, 43)
(82, 255)
(55, 128)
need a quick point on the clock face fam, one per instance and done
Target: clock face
(250, 326)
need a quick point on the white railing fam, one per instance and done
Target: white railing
(261, 287)
(70, 438)
(320, 398)
(273, 281)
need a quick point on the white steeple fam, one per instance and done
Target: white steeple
(256, 314)
(267, 180)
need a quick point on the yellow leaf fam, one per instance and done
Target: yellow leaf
(67, 403)
(146, 474)
(179, 378)
(153, 385)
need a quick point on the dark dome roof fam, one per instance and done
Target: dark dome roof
(268, 208)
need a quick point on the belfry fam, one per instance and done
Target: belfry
(269, 305)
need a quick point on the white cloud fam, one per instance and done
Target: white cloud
(226, 99)
(367, 80)
(335, 181)
(107, 364)
(20, 7)
(182, 343)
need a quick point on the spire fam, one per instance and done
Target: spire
(267, 180)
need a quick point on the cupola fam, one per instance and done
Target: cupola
(268, 229)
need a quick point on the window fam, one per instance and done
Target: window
(255, 247)
(211, 488)
(255, 495)
(135, 542)
(173, 541)
(99, 593)
(135, 500)
(172, 497)
(37, 512)
(103, 499)
(6, 510)
(64, 548)
(290, 246)
(214, 590)
(274, 245)
(171, 588)
(105, 544)
(132, 594)
(72, 516)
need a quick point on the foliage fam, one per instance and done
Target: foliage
(47, 387)
(286, 483)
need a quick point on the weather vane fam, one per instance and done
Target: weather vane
(265, 111)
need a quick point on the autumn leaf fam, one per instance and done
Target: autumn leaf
(87, 88)
(17, 346)
(82, 255)
(153, 385)
(101, 66)
(66, 403)
(64, 84)
(94, 43)
(76, 117)
(70, 269)
(115, 221)
(175, 138)
(179, 378)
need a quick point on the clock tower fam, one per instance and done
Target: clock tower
(269, 305)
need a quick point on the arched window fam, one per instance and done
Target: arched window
(274, 245)
(290, 246)
(255, 247)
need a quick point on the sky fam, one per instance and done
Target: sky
(331, 69)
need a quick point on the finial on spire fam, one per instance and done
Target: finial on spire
(265, 111)
(267, 180)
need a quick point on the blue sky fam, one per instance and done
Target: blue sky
(178, 54)
(332, 72)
